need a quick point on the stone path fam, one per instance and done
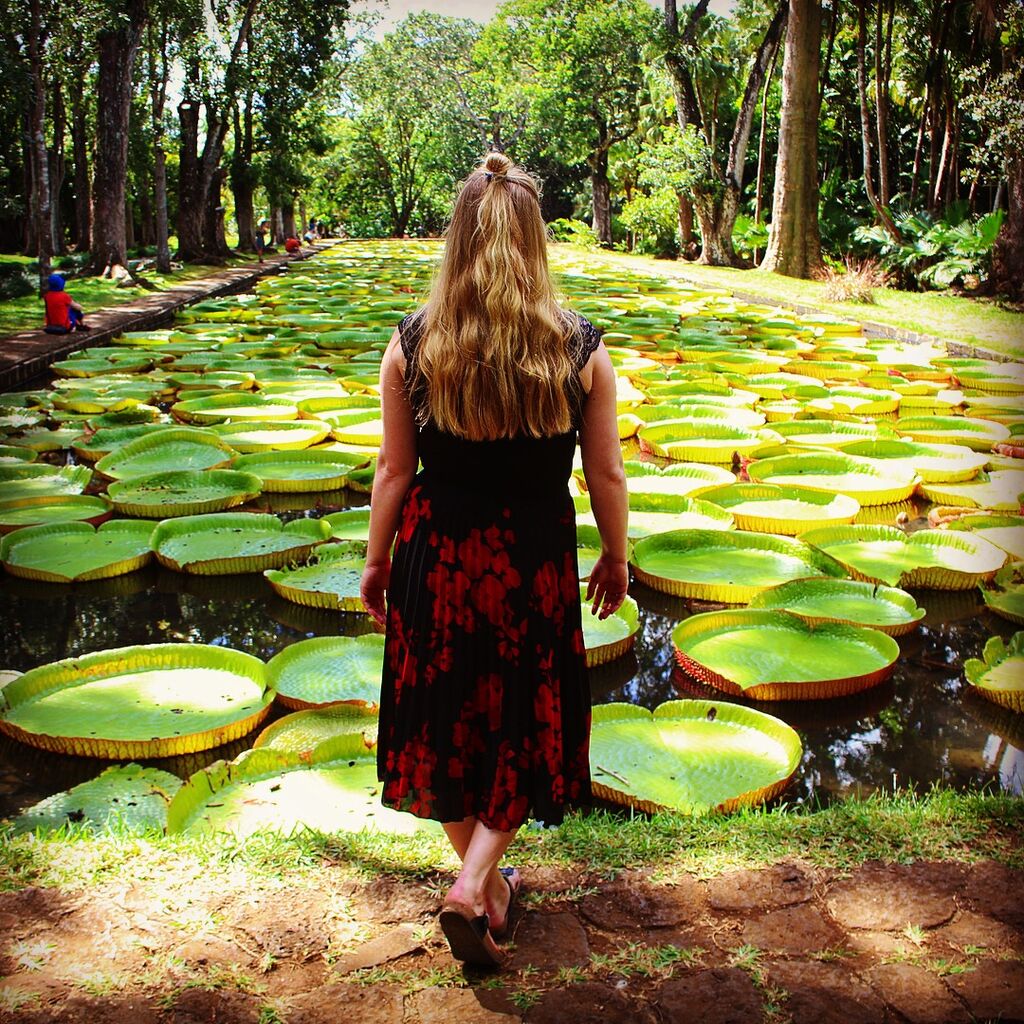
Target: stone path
(27, 354)
(924, 943)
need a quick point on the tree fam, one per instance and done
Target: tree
(794, 244)
(117, 45)
(583, 65)
(716, 193)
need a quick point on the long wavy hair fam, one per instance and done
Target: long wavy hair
(494, 359)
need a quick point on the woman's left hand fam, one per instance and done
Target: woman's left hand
(373, 586)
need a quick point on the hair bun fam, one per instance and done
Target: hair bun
(497, 164)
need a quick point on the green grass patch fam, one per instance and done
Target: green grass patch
(95, 293)
(940, 825)
(950, 317)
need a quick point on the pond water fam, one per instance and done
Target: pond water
(921, 727)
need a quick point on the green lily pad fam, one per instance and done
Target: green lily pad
(12, 455)
(151, 701)
(68, 509)
(691, 756)
(270, 436)
(977, 434)
(70, 552)
(234, 542)
(703, 441)
(124, 795)
(350, 524)
(999, 674)
(999, 490)
(38, 482)
(610, 638)
(234, 406)
(330, 581)
(685, 479)
(329, 670)
(1006, 532)
(719, 565)
(305, 470)
(1004, 594)
(332, 788)
(770, 508)
(933, 463)
(853, 602)
(774, 655)
(94, 446)
(870, 482)
(185, 492)
(166, 451)
(301, 731)
(934, 559)
(825, 433)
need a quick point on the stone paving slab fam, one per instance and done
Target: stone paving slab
(27, 354)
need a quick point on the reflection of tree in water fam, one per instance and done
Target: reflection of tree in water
(914, 730)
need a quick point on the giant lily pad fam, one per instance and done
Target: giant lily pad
(1006, 532)
(1005, 593)
(39, 483)
(184, 492)
(703, 440)
(853, 602)
(68, 509)
(719, 565)
(301, 731)
(999, 490)
(999, 674)
(934, 559)
(69, 552)
(773, 655)
(769, 508)
(350, 524)
(295, 471)
(684, 479)
(152, 701)
(870, 482)
(659, 513)
(825, 433)
(166, 450)
(234, 406)
(332, 788)
(330, 581)
(269, 436)
(944, 463)
(125, 795)
(690, 756)
(329, 670)
(234, 542)
(977, 434)
(610, 638)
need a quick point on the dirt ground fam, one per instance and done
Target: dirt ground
(928, 943)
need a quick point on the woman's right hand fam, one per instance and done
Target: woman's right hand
(607, 586)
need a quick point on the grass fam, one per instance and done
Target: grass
(939, 825)
(94, 293)
(970, 321)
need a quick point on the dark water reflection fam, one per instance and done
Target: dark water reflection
(921, 727)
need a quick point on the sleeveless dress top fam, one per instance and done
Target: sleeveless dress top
(485, 704)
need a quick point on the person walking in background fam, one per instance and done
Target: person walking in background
(63, 314)
(485, 703)
(260, 239)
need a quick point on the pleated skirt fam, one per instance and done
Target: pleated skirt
(485, 703)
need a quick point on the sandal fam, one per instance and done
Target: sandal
(514, 881)
(468, 936)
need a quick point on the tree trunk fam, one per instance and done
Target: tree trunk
(794, 245)
(882, 107)
(602, 197)
(80, 153)
(762, 140)
(39, 158)
(288, 219)
(243, 182)
(687, 244)
(1007, 277)
(716, 214)
(865, 125)
(57, 168)
(200, 176)
(116, 50)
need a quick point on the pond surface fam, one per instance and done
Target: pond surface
(921, 727)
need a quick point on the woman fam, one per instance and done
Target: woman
(485, 706)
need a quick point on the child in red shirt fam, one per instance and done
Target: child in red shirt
(292, 245)
(63, 314)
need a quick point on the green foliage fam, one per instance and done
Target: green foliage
(935, 252)
(577, 232)
(654, 218)
(748, 235)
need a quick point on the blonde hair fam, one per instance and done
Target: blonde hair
(494, 358)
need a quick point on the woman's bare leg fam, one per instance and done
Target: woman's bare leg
(479, 884)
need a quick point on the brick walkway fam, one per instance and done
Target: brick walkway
(27, 354)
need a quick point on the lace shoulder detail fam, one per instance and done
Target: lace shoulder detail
(585, 341)
(410, 330)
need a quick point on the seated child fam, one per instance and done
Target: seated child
(292, 245)
(63, 314)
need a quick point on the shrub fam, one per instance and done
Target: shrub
(853, 281)
(576, 231)
(748, 235)
(18, 280)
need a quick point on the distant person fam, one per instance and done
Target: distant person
(260, 239)
(321, 229)
(63, 314)
(309, 237)
(292, 246)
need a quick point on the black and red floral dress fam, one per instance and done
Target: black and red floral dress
(485, 704)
